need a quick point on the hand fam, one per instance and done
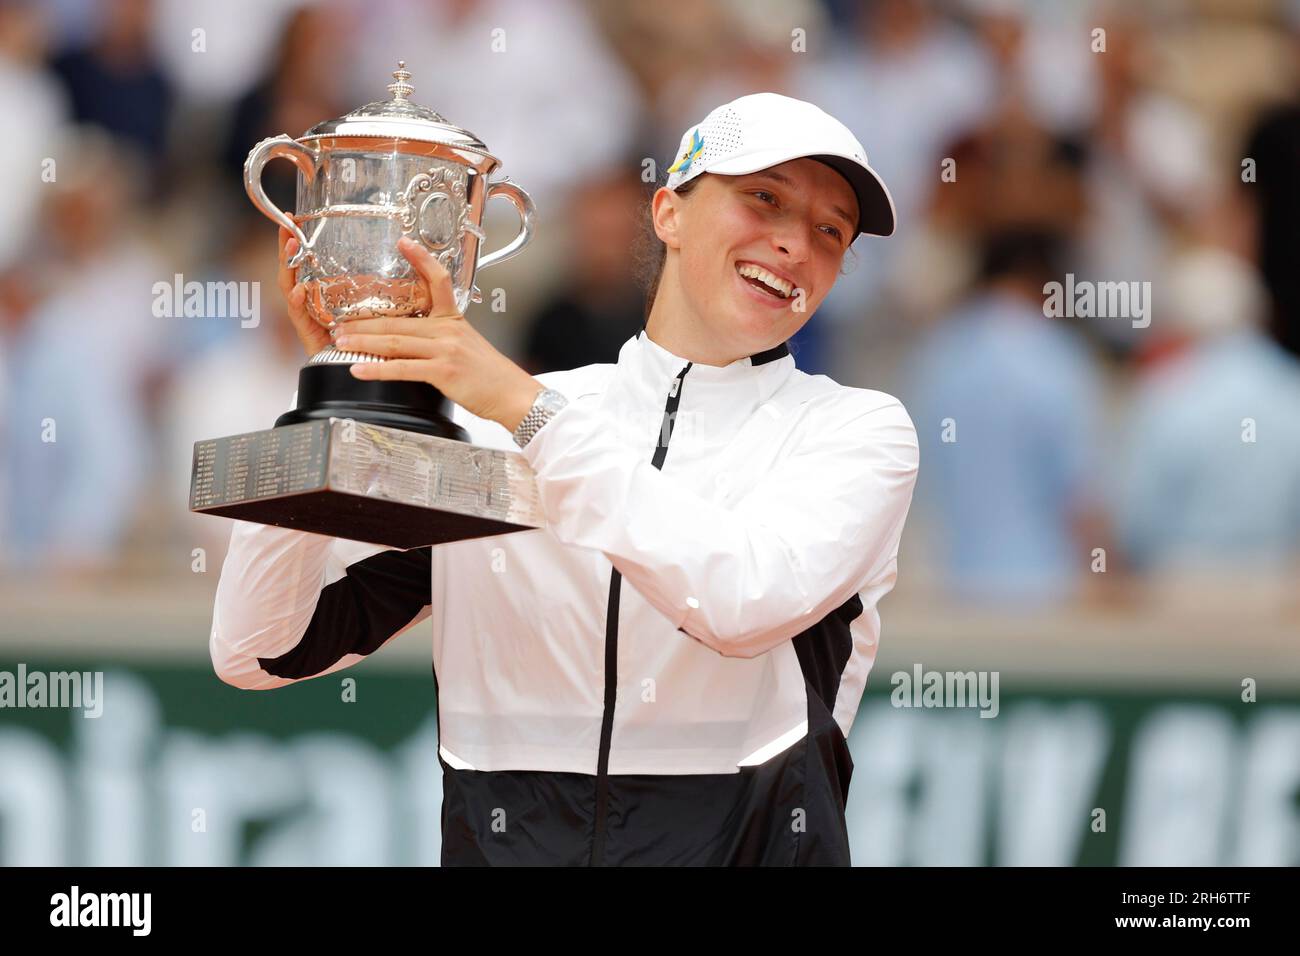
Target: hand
(442, 349)
(311, 333)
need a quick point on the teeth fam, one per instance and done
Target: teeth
(762, 275)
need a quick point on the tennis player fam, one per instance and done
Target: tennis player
(667, 673)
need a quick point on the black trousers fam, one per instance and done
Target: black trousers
(788, 811)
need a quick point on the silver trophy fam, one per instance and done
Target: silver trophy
(377, 461)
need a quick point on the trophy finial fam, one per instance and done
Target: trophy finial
(401, 89)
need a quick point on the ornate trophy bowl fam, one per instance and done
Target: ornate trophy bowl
(386, 170)
(376, 461)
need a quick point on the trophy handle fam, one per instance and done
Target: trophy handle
(279, 147)
(524, 203)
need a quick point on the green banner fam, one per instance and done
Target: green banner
(180, 769)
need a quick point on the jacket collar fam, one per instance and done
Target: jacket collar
(758, 358)
(648, 369)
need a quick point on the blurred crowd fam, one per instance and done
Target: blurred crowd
(1084, 143)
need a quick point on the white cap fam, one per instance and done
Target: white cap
(767, 129)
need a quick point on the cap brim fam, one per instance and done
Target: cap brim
(876, 215)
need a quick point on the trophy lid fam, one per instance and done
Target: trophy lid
(398, 118)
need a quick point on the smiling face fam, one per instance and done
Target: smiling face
(750, 257)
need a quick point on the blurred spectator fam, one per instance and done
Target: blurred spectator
(1212, 471)
(301, 88)
(1041, 56)
(532, 80)
(1211, 474)
(33, 106)
(17, 297)
(906, 81)
(757, 45)
(213, 51)
(1152, 170)
(1014, 176)
(600, 307)
(1006, 403)
(116, 82)
(79, 450)
(1274, 148)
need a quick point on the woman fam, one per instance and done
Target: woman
(665, 674)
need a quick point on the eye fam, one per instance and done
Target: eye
(763, 192)
(837, 234)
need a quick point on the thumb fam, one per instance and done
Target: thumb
(441, 293)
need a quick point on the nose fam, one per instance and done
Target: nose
(791, 241)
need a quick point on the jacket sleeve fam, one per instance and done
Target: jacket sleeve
(743, 576)
(292, 605)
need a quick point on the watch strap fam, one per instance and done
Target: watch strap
(545, 406)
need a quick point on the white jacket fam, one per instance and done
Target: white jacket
(766, 508)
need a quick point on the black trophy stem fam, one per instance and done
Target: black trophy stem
(330, 390)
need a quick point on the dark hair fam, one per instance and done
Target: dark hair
(1020, 252)
(649, 253)
(1274, 143)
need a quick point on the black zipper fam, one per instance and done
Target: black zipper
(611, 643)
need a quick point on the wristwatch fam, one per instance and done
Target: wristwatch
(545, 405)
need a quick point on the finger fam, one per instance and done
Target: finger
(424, 325)
(398, 346)
(409, 370)
(286, 237)
(313, 335)
(297, 301)
(285, 276)
(438, 279)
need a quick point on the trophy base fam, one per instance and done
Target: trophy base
(364, 482)
(340, 515)
(329, 390)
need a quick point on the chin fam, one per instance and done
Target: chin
(753, 345)
(757, 333)
(747, 331)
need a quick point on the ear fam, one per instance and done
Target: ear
(665, 209)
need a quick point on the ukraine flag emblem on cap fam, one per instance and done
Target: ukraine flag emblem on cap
(688, 157)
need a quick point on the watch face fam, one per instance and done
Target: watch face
(545, 405)
(553, 400)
